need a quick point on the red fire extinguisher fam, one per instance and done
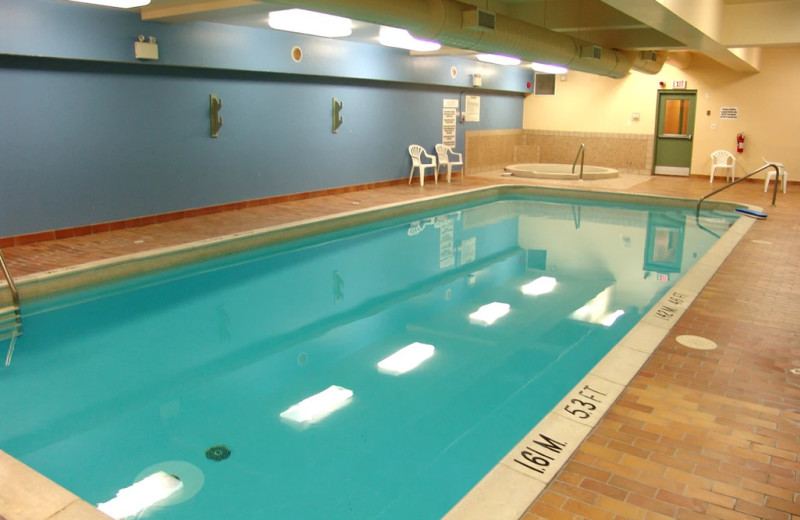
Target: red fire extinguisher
(740, 143)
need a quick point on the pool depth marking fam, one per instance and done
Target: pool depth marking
(545, 449)
(670, 308)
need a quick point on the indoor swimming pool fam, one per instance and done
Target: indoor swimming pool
(374, 372)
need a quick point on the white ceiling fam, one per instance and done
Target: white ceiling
(710, 27)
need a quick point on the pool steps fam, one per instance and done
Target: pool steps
(10, 323)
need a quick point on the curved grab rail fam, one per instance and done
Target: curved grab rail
(774, 193)
(581, 153)
(11, 285)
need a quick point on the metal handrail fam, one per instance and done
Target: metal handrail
(581, 153)
(10, 280)
(774, 193)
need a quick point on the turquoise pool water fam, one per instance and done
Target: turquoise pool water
(110, 384)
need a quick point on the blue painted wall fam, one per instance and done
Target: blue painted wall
(89, 135)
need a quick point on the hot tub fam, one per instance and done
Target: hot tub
(560, 171)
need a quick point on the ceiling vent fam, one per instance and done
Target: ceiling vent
(648, 56)
(591, 52)
(478, 20)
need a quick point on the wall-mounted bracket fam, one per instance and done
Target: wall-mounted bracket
(337, 116)
(216, 119)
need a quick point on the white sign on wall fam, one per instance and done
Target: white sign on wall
(729, 113)
(449, 126)
(472, 112)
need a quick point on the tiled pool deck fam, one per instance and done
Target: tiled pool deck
(696, 434)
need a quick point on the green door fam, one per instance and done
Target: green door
(674, 132)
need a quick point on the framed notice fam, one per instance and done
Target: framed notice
(449, 116)
(472, 110)
(729, 113)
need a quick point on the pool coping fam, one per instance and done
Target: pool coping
(508, 490)
(53, 282)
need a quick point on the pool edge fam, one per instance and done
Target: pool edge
(509, 489)
(58, 281)
(503, 490)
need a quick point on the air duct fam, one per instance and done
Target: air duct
(648, 62)
(444, 21)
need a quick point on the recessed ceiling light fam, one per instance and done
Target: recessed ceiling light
(542, 285)
(498, 59)
(134, 499)
(406, 359)
(318, 406)
(402, 39)
(489, 313)
(548, 69)
(310, 22)
(122, 4)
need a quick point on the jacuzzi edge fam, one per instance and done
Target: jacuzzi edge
(509, 489)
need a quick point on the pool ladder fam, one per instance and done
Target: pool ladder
(737, 181)
(10, 317)
(580, 155)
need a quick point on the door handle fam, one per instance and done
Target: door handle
(687, 137)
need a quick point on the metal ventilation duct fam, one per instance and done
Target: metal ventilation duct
(442, 20)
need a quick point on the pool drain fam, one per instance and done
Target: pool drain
(218, 453)
(696, 342)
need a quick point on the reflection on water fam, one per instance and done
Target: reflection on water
(233, 348)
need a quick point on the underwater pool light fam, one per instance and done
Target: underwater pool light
(406, 359)
(489, 313)
(318, 406)
(132, 500)
(310, 22)
(541, 285)
(402, 39)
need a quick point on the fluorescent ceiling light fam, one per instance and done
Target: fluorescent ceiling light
(132, 500)
(542, 285)
(612, 317)
(498, 59)
(406, 359)
(548, 69)
(489, 313)
(310, 22)
(402, 39)
(318, 405)
(122, 4)
(596, 310)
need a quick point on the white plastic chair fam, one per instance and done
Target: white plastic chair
(417, 154)
(770, 174)
(719, 159)
(444, 153)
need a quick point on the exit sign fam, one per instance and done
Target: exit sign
(679, 84)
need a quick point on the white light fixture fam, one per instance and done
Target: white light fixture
(542, 285)
(132, 500)
(548, 69)
(489, 313)
(406, 359)
(402, 39)
(498, 59)
(612, 317)
(122, 4)
(318, 405)
(595, 309)
(310, 22)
